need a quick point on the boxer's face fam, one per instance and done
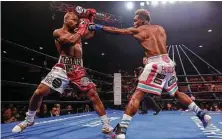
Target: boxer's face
(137, 21)
(72, 21)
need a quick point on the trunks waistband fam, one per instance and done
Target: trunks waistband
(70, 60)
(162, 57)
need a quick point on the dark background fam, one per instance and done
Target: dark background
(31, 24)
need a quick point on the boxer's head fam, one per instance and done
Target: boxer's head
(71, 20)
(145, 60)
(142, 17)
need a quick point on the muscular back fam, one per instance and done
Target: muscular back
(152, 39)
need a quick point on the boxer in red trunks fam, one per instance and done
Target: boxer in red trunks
(159, 73)
(69, 69)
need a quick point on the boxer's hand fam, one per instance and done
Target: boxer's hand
(94, 27)
(82, 28)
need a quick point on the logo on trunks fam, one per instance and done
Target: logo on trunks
(56, 83)
(85, 81)
(157, 81)
(172, 80)
(70, 60)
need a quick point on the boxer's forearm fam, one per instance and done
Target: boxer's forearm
(74, 38)
(117, 30)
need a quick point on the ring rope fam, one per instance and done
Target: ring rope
(28, 49)
(35, 85)
(202, 59)
(24, 63)
(105, 101)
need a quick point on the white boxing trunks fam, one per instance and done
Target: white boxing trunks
(68, 69)
(159, 73)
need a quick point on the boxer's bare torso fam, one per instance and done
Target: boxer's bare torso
(65, 46)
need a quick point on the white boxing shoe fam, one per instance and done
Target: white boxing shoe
(120, 136)
(20, 127)
(107, 129)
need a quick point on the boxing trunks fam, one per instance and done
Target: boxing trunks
(68, 69)
(159, 73)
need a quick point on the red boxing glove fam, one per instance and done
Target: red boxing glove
(83, 25)
(91, 14)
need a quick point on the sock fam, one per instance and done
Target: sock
(104, 119)
(30, 115)
(125, 120)
(194, 107)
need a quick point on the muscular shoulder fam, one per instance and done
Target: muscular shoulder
(57, 33)
(158, 27)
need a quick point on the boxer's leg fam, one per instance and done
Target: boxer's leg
(172, 88)
(53, 81)
(186, 100)
(34, 104)
(99, 108)
(36, 99)
(97, 103)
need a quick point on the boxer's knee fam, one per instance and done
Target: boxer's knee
(178, 94)
(42, 90)
(92, 95)
(136, 98)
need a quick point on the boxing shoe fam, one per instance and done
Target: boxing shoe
(107, 129)
(157, 112)
(205, 119)
(29, 121)
(120, 132)
(20, 127)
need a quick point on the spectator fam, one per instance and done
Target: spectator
(7, 116)
(87, 109)
(15, 113)
(169, 107)
(216, 107)
(54, 112)
(58, 106)
(69, 109)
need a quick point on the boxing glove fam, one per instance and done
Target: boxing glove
(82, 28)
(85, 13)
(94, 27)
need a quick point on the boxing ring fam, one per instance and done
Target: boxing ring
(167, 125)
(87, 125)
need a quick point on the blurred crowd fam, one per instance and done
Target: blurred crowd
(12, 113)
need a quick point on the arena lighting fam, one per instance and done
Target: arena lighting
(209, 30)
(200, 46)
(32, 59)
(86, 43)
(147, 3)
(40, 48)
(129, 5)
(154, 3)
(4, 52)
(164, 2)
(172, 1)
(102, 54)
(142, 3)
